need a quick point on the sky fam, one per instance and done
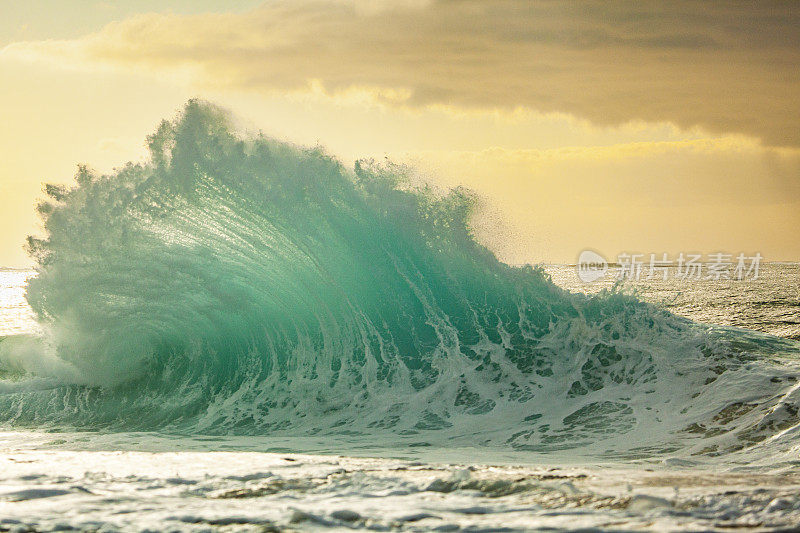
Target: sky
(637, 127)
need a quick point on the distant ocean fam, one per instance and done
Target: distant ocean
(770, 303)
(245, 335)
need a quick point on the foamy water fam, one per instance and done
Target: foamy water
(151, 481)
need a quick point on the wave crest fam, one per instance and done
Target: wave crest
(236, 284)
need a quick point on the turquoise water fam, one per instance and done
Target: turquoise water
(243, 286)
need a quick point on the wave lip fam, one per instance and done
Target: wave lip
(244, 285)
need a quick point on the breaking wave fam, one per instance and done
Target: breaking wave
(242, 285)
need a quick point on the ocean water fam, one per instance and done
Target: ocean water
(770, 303)
(242, 334)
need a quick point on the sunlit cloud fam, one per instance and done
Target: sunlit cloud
(729, 69)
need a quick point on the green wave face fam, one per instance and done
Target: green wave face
(243, 285)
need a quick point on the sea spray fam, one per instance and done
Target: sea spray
(237, 284)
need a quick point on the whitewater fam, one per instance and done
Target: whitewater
(240, 333)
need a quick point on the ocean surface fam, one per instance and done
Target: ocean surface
(242, 334)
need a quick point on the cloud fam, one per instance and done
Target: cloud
(725, 67)
(725, 146)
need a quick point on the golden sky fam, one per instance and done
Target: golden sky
(635, 127)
